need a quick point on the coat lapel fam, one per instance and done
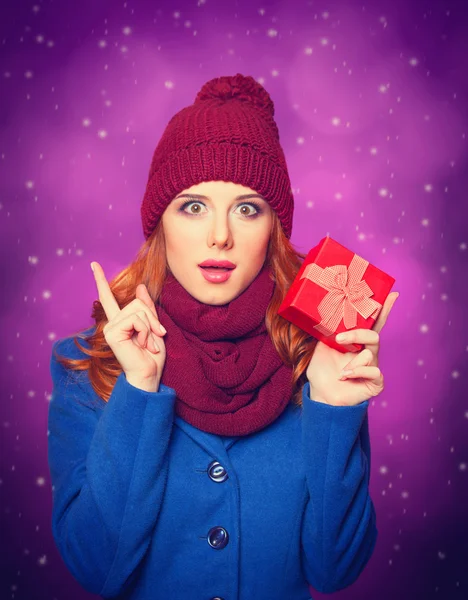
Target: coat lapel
(213, 444)
(216, 445)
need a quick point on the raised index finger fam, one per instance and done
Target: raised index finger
(106, 297)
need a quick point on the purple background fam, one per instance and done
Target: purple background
(371, 106)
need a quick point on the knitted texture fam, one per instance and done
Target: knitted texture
(228, 134)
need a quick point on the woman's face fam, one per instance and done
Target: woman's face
(218, 225)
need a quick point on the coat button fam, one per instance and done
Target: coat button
(217, 598)
(218, 537)
(217, 472)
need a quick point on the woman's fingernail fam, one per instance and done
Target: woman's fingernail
(345, 373)
(162, 328)
(156, 349)
(341, 337)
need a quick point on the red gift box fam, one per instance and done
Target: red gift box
(335, 290)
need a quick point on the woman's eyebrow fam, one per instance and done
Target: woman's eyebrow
(201, 197)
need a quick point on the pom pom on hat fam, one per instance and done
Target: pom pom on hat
(240, 87)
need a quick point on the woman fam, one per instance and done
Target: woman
(221, 457)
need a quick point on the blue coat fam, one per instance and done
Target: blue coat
(148, 507)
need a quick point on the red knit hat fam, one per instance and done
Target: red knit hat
(227, 134)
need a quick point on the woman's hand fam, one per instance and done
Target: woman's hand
(141, 355)
(365, 381)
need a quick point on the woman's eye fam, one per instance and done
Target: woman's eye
(249, 207)
(190, 204)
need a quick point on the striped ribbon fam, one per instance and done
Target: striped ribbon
(348, 294)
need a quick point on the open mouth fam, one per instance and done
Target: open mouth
(216, 274)
(216, 269)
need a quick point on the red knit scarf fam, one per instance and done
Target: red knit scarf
(228, 376)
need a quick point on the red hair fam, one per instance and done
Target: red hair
(294, 346)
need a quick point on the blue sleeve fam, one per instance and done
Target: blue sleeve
(108, 469)
(338, 533)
